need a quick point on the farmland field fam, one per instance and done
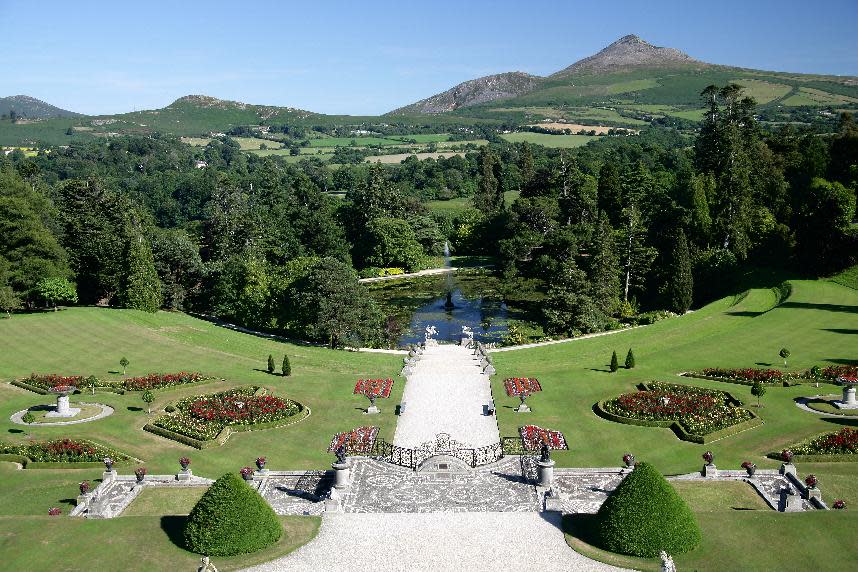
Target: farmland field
(562, 141)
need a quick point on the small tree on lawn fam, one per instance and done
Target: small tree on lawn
(91, 382)
(270, 363)
(287, 367)
(123, 363)
(784, 353)
(815, 371)
(615, 364)
(55, 290)
(758, 390)
(148, 397)
(630, 359)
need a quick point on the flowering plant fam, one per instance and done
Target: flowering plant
(161, 380)
(748, 465)
(62, 451)
(629, 459)
(844, 441)
(708, 456)
(374, 387)
(54, 511)
(49, 380)
(260, 462)
(534, 437)
(84, 487)
(62, 389)
(832, 372)
(358, 440)
(516, 386)
(811, 481)
(246, 473)
(839, 504)
(786, 456)
(140, 472)
(749, 374)
(184, 462)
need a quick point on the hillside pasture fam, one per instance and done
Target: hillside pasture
(548, 140)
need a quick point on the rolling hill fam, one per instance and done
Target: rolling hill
(28, 107)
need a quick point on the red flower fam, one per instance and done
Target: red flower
(54, 511)
(374, 387)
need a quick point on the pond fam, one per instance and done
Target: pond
(473, 298)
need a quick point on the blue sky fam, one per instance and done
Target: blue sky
(368, 57)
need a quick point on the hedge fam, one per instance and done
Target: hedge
(231, 518)
(740, 381)
(645, 515)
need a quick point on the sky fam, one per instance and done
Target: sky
(369, 57)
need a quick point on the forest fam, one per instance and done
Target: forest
(657, 221)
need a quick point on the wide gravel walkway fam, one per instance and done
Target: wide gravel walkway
(475, 542)
(445, 394)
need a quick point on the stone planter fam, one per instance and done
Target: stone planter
(342, 477)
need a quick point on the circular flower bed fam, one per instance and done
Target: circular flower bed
(698, 410)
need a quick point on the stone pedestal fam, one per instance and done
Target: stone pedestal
(83, 499)
(342, 478)
(787, 469)
(108, 476)
(332, 503)
(372, 410)
(848, 401)
(63, 409)
(184, 475)
(710, 471)
(792, 502)
(814, 493)
(546, 473)
(523, 408)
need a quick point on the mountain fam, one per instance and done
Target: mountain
(629, 52)
(28, 107)
(476, 91)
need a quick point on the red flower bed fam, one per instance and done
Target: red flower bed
(832, 372)
(358, 440)
(516, 386)
(49, 380)
(844, 441)
(533, 437)
(161, 380)
(240, 409)
(374, 387)
(748, 374)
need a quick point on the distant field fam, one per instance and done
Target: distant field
(562, 141)
(811, 96)
(463, 203)
(422, 137)
(347, 141)
(400, 157)
(763, 91)
(557, 126)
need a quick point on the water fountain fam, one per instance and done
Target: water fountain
(62, 409)
(448, 304)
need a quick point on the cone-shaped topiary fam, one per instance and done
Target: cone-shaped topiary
(645, 515)
(614, 363)
(630, 359)
(287, 367)
(231, 518)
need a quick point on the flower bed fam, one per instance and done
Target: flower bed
(358, 440)
(533, 437)
(63, 451)
(516, 386)
(698, 411)
(844, 441)
(43, 383)
(47, 381)
(833, 372)
(202, 418)
(747, 375)
(374, 387)
(160, 380)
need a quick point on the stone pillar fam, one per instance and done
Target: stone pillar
(710, 470)
(184, 475)
(792, 501)
(108, 476)
(546, 473)
(342, 479)
(849, 396)
(814, 493)
(788, 469)
(63, 405)
(83, 498)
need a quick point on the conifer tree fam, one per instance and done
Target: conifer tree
(680, 281)
(615, 365)
(604, 271)
(630, 359)
(270, 363)
(287, 367)
(141, 288)
(488, 197)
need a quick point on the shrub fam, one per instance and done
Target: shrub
(28, 417)
(231, 518)
(287, 367)
(270, 363)
(630, 359)
(614, 362)
(645, 515)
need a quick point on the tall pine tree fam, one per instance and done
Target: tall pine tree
(680, 283)
(604, 270)
(141, 288)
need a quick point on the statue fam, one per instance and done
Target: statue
(545, 453)
(430, 331)
(667, 564)
(340, 452)
(206, 565)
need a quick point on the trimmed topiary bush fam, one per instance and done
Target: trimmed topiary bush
(231, 518)
(645, 515)
(614, 363)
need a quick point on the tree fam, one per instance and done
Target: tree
(9, 300)
(270, 363)
(393, 244)
(604, 268)
(615, 365)
(489, 195)
(141, 288)
(568, 308)
(179, 266)
(287, 367)
(822, 219)
(55, 290)
(637, 255)
(231, 518)
(123, 363)
(758, 390)
(630, 359)
(91, 382)
(784, 353)
(148, 396)
(680, 284)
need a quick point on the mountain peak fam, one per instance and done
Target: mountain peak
(481, 90)
(630, 51)
(32, 108)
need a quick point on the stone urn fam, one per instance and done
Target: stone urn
(750, 467)
(184, 462)
(62, 409)
(260, 462)
(629, 460)
(246, 473)
(108, 464)
(140, 473)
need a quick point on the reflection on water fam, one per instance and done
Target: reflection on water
(485, 316)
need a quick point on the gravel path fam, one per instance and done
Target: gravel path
(105, 411)
(446, 394)
(475, 542)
